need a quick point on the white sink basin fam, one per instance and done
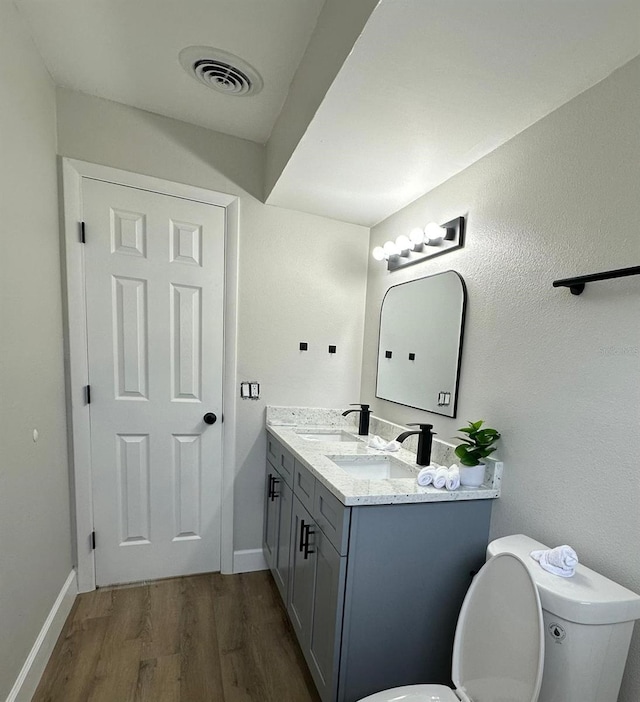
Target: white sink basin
(374, 467)
(329, 435)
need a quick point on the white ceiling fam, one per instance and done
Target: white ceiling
(127, 51)
(429, 87)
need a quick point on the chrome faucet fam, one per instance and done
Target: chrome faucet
(365, 413)
(423, 457)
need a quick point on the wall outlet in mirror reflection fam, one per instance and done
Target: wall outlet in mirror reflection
(420, 343)
(444, 399)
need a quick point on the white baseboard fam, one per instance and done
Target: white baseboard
(249, 560)
(33, 668)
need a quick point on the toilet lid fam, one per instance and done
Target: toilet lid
(498, 651)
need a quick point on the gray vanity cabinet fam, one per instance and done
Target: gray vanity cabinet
(316, 598)
(277, 521)
(302, 566)
(280, 568)
(271, 518)
(374, 591)
(326, 625)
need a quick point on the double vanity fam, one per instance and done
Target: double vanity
(371, 567)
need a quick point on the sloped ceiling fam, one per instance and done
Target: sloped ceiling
(431, 87)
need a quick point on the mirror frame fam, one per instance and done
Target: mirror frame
(460, 345)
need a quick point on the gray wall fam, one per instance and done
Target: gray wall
(301, 277)
(558, 375)
(35, 546)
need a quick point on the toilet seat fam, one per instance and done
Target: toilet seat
(414, 693)
(498, 650)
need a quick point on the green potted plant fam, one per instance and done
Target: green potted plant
(477, 445)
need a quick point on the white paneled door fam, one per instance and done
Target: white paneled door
(154, 275)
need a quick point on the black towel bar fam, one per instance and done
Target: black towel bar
(576, 285)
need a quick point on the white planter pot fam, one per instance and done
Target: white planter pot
(472, 476)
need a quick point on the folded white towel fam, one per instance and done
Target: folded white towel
(380, 444)
(440, 478)
(426, 475)
(376, 442)
(561, 560)
(453, 478)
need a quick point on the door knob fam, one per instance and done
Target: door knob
(210, 418)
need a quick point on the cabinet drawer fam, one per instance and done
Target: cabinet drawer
(286, 466)
(332, 517)
(281, 459)
(273, 449)
(272, 467)
(304, 485)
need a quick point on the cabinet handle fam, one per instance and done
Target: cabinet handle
(308, 532)
(302, 528)
(272, 489)
(270, 485)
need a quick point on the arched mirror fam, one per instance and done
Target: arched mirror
(421, 327)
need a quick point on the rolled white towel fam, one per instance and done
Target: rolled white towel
(393, 446)
(440, 478)
(453, 478)
(426, 476)
(376, 442)
(561, 560)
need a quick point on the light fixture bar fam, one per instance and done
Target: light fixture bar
(435, 240)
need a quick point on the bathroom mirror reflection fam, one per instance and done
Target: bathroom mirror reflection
(421, 327)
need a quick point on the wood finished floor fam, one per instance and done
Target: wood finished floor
(218, 638)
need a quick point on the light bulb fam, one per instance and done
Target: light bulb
(390, 248)
(378, 253)
(416, 236)
(403, 243)
(434, 233)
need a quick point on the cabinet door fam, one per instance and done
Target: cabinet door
(282, 552)
(271, 516)
(326, 630)
(302, 576)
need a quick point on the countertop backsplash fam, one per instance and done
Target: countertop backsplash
(310, 416)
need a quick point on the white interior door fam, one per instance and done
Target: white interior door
(154, 274)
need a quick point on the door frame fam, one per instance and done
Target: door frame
(76, 355)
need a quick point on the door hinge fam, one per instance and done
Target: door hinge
(87, 394)
(92, 538)
(82, 233)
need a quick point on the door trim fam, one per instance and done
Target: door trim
(76, 359)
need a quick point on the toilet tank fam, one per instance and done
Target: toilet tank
(588, 626)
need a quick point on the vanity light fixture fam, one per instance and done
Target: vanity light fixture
(421, 244)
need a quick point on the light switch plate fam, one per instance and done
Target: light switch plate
(249, 389)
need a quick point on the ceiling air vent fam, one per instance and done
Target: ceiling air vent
(221, 71)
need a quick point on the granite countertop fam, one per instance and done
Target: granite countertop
(287, 425)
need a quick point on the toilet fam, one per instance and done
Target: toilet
(588, 624)
(498, 649)
(525, 635)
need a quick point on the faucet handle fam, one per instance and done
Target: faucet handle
(360, 405)
(423, 427)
